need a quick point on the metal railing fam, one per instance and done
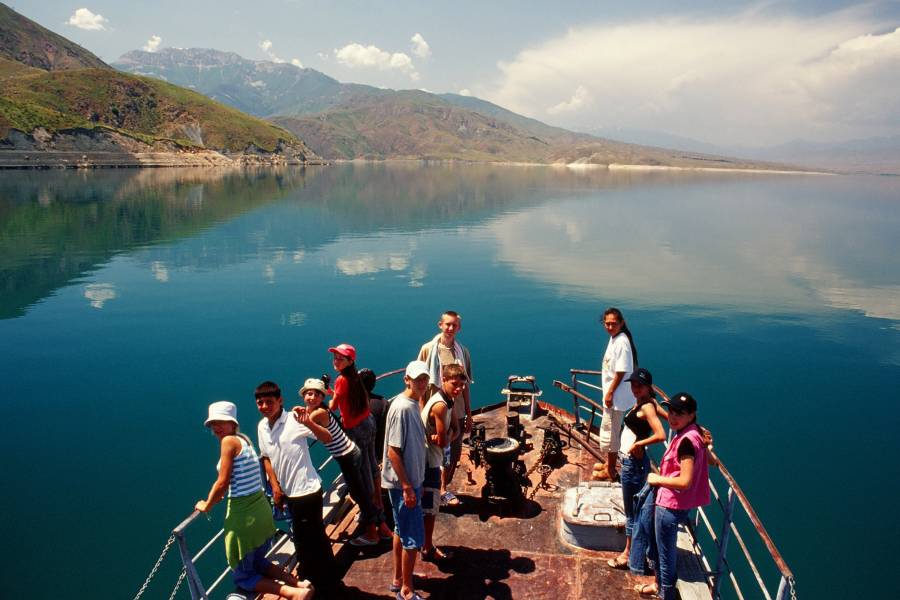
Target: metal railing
(189, 560)
(727, 529)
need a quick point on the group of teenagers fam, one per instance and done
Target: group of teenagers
(409, 446)
(655, 504)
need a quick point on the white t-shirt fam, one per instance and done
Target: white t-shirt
(618, 358)
(284, 444)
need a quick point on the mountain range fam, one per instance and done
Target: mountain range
(352, 121)
(875, 155)
(190, 106)
(58, 98)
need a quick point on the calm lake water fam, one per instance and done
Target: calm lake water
(129, 300)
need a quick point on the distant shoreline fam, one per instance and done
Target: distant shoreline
(46, 160)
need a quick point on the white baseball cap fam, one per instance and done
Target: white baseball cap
(416, 369)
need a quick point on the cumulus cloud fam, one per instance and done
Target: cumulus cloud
(465, 92)
(85, 19)
(296, 62)
(266, 47)
(577, 101)
(748, 79)
(419, 46)
(372, 57)
(153, 43)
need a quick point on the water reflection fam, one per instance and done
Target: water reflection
(752, 242)
(793, 245)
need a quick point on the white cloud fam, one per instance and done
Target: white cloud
(750, 79)
(296, 62)
(153, 43)
(465, 92)
(160, 271)
(371, 57)
(99, 293)
(577, 101)
(419, 46)
(322, 56)
(266, 47)
(85, 19)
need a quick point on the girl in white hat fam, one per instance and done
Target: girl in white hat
(248, 516)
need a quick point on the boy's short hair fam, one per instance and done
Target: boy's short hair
(268, 388)
(453, 371)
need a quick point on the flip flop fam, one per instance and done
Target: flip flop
(614, 563)
(415, 596)
(394, 588)
(449, 499)
(436, 555)
(647, 590)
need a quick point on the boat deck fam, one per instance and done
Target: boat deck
(516, 555)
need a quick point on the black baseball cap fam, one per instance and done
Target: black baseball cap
(682, 402)
(642, 376)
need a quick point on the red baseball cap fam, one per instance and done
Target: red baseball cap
(344, 350)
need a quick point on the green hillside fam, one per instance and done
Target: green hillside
(105, 110)
(147, 109)
(22, 40)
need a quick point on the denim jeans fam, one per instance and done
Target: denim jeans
(363, 435)
(633, 476)
(643, 538)
(667, 521)
(351, 467)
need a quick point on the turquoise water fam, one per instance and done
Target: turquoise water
(129, 300)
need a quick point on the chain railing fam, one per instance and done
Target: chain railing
(728, 529)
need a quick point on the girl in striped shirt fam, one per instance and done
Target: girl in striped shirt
(324, 425)
(248, 516)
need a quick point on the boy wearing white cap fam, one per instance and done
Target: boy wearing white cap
(402, 474)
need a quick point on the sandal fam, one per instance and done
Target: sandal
(647, 590)
(449, 499)
(436, 555)
(615, 563)
(394, 588)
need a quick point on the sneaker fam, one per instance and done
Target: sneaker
(362, 540)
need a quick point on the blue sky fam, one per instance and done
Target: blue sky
(731, 73)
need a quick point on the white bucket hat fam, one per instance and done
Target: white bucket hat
(222, 411)
(313, 383)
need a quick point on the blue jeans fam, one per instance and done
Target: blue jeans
(363, 435)
(667, 521)
(633, 476)
(643, 538)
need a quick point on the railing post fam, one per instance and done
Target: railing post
(783, 589)
(575, 410)
(723, 541)
(194, 584)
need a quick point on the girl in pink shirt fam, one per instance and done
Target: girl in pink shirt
(683, 484)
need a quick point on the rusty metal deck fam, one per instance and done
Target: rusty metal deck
(513, 556)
